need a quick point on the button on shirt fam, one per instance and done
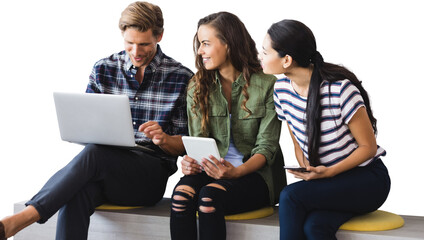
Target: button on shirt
(160, 97)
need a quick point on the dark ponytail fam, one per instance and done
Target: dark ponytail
(313, 110)
(291, 37)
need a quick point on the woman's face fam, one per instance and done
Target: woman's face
(271, 62)
(211, 49)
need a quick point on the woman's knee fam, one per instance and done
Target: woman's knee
(318, 230)
(323, 224)
(287, 195)
(210, 197)
(182, 198)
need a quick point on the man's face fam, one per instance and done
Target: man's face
(140, 46)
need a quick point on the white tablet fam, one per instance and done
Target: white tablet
(200, 147)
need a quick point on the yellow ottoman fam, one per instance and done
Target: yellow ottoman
(108, 206)
(259, 213)
(375, 221)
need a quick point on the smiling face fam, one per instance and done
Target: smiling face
(212, 50)
(271, 62)
(140, 46)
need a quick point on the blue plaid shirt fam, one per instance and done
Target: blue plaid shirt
(160, 97)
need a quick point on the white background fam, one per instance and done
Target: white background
(48, 46)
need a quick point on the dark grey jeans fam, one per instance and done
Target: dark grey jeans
(97, 175)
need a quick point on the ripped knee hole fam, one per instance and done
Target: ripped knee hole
(181, 198)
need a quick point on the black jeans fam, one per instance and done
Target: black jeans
(247, 193)
(97, 175)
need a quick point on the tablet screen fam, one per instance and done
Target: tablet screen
(200, 147)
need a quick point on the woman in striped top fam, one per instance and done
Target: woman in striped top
(333, 129)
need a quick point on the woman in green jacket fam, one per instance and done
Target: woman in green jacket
(229, 99)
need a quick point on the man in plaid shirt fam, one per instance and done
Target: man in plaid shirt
(156, 86)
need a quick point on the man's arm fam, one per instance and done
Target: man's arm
(172, 145)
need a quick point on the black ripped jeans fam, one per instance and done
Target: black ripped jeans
(244, 194)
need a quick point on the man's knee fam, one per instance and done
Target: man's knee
(91, 152)
(93, 148)
(94, 155)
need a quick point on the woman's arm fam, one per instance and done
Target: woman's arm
(300, 157)
(362, 131)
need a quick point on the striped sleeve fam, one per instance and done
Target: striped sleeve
(278, 109)
(350, 100)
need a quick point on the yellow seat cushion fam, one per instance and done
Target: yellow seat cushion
(375, 221)
(259, 213)
(108, 206)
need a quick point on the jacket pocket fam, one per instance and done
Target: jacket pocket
(218, 122)
(249, 125)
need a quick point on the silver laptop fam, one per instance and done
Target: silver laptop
(95, 118)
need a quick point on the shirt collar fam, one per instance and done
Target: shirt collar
(154, 64)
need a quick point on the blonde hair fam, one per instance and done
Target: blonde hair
(142, 16)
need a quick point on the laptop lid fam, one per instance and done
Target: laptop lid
(94, 118)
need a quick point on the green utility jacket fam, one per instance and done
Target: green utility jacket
(257, 133)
